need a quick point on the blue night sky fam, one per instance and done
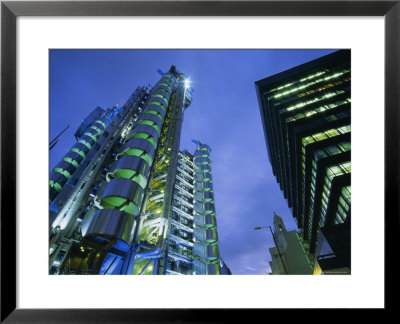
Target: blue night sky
(224, 114)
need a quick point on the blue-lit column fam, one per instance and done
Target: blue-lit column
(181, 230)
(150, 252)
(206, 237)
(120, 200)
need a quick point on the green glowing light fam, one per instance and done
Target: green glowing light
(146, 137)
(158, 104)
(96, 129)
(74, 149)
(65, 173)
(163, 91)
(150, 123)
(153, 112)
(55, 185)
(114, 202)
(102, 123)
(165, 85)
(140, 153)
(91, 136)
(85, 143)
(132, 175)
(162, 97)
(69, 160)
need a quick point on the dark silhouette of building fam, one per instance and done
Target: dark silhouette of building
(305, 113)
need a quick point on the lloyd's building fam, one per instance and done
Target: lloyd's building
(125, 200)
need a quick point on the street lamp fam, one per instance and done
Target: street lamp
(276, 244)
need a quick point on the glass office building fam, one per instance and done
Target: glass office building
(306, 118)
(125, 200)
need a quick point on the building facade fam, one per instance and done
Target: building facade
(114, 195)
(193, 239)
(332, 253)
(306, 118)
(289, 255)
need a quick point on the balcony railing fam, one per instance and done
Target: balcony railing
(183, 201)
(178, 239)
(179, 177)
(182, 213)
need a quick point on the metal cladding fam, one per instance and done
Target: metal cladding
(110, 224)
(129, 175)
(212, 253)
(137, 145)
(213, 268)
(149, 130)
(195, 237)
(123, 194)
(131, 167)
(136, 205)
(73, 157)
(211, 235)
(153, 118)
(205, 216)
(210, 221)
(70, 162)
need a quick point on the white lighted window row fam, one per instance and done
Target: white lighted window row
(327, 78)
(317, 110)
(325, 194)
(332, 150)
(325, 134)
(316, 99)
(301, 80)
(338, 169)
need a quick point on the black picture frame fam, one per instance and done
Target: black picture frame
(10, 10)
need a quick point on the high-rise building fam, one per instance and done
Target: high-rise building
(305, 113)
(289, 255)
(193, 238)
(125, 200)
(332, 253)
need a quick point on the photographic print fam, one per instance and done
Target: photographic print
(199, 162)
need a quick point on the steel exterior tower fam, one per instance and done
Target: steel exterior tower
(103, 217)
(306, 118)
(114, 197)
(193, 238)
